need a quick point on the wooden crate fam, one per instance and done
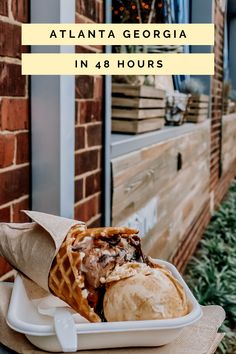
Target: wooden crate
(137, 109)
(197, 110)
(136, 126)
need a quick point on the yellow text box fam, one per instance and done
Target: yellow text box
(117, 64)
(117, 34)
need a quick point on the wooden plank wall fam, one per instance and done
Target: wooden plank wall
(180, 195)
(228, 141)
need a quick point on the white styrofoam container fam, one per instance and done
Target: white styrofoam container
(23, 317)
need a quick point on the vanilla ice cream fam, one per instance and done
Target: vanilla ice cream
(149, 294)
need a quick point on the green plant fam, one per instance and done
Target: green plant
(211, 273)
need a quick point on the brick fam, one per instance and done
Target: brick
(95, 223)
(4, 7)
(87, 8)
(86, 210)
(10, 40)
(94, 135)
(216, 127)
(84, 86)
(215, 150)
(216, 114)
(214, 169)
(93, 184)
(99, 12)
(215, 140)
(214, 162)
(81, 49)
(79, 138)
(99, 48)
(18, 216)
(12, 83)
(14, 114)
(100, 164)
(20, 10)
(22, 152)
(7, 149)
(214, 180)
(214, 183)
(79, 190)
(4, 266)
(14, 184)
(88, 111)
(77, 113)
(86, 161)
(5, 214)
(100, 205)
(81, 19)
(98, 88)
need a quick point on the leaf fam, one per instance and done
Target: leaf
(211, 273)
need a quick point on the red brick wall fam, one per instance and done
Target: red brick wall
(14, 117)
(217, 99)
(88, 128)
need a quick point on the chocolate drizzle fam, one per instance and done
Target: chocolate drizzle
(112, 240)
(136, 243)
(100, 254)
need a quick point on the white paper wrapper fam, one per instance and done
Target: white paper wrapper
(31, 247)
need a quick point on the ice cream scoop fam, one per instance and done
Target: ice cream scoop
(147, 295)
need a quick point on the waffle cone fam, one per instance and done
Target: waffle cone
(66, 282)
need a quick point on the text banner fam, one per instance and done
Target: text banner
(117, 34)
(117, 64)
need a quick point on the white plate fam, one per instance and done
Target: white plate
(23, 317)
